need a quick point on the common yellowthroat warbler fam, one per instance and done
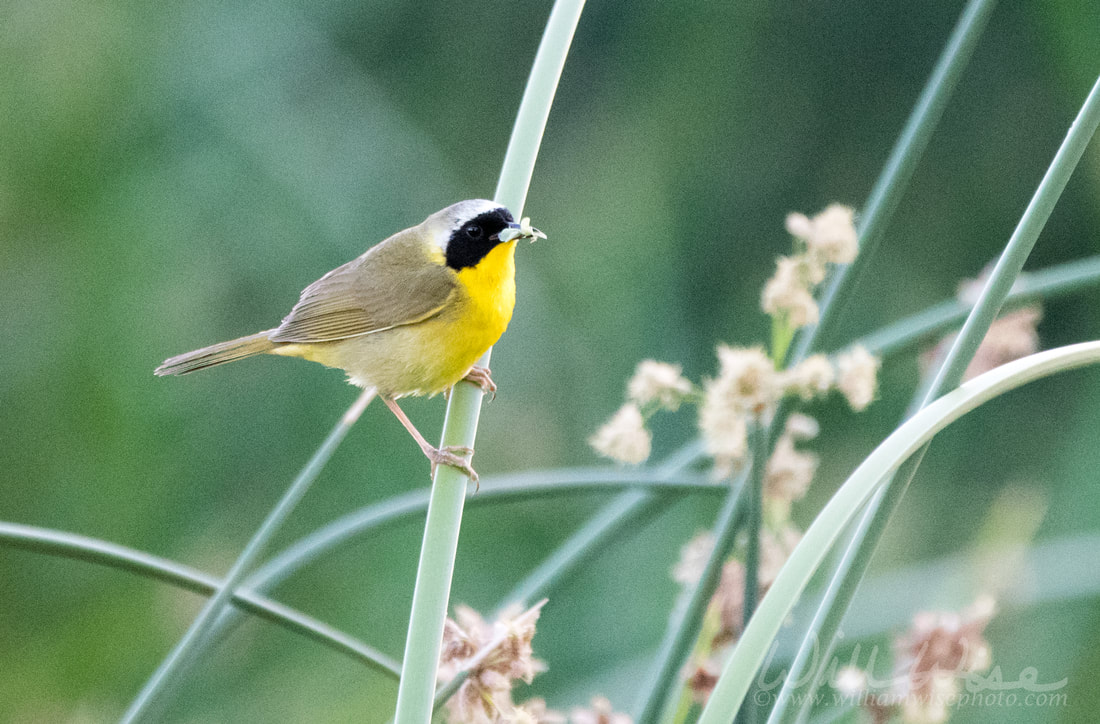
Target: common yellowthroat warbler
(411, 316)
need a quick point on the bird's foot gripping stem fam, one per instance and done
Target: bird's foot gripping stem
(482, 377)
(453, 455)
(448, 455)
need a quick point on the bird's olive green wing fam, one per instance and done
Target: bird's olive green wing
(397, 282)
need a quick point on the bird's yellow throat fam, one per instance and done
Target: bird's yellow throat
(491, 286)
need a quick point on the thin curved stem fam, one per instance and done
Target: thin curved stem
(499, 489)
(94, 550)
(755, 642)
(199, 628)
(935, 320)
(855, 559)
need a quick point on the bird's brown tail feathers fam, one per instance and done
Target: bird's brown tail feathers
(217, 354)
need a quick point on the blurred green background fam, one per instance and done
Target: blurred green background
(172, 174)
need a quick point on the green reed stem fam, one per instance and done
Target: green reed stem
(857, 556)
(585, 542)
(904, 157)
(912, 436)
(93, 550)
(684, 622)
(892, 182)
(436, 567)
(761, 448)
(597, 532)
(166, 672)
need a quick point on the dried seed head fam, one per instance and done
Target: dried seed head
(1010, 337)
(723, 424)
(829, 236)
(729, 597)
(752, 382)
(658, 382)
(857, 373)
(789, 472)
(693, 557)
(495, 655)
(600, 712)
(801, 428)
(947, 641)
(702, 679)
(788, 291)
(532, 711)
(931, 656)
(624, 437)
(799, 225)
(810, 378)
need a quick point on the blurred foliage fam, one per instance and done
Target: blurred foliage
(171, 174)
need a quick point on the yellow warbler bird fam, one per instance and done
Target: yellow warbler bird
(411, 316)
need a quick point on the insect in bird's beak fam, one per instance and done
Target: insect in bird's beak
(522, 230)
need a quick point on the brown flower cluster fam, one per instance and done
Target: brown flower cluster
(1013, 335)
(748, 385)
(829, 237)
(727, 606)
(494, 655)
(930, 662)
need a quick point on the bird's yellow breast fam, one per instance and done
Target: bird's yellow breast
(491, 288)
(427, 357)
(480, 313)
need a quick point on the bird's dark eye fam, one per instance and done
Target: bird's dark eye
(473, 231)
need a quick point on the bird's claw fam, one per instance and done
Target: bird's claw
(481, 376)
(452, 455)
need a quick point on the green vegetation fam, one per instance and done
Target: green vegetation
(172, 175)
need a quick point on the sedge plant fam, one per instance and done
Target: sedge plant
(745, 575)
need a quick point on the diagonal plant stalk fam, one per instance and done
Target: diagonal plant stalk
(883, 201)
(1047, 283)
(585, 541)
(247, 596)
(684, 622)
(856, 557)
(854, 562)
(597, 531)
(907, 151)
(437, 553)
(165, 673)
(914, 434)
(761, 449)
